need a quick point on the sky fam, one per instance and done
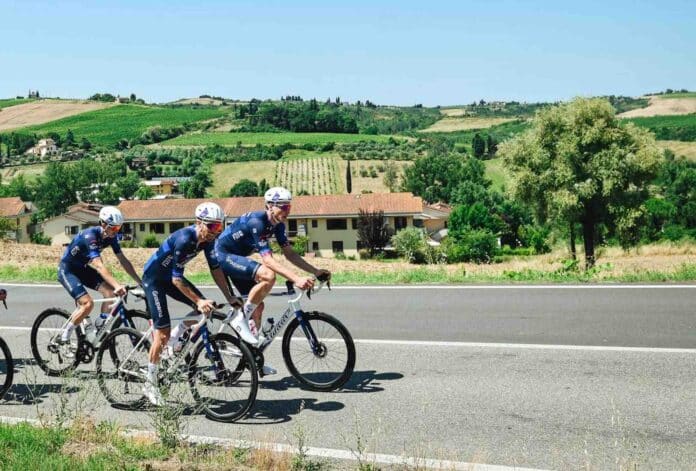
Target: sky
(398, 52)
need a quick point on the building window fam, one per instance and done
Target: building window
(142, 227)
(417, 223)
(175, 226)
(354, 223)
(157, 227)
(336, 224)
(359, 245)
(314, 223)
(127, 228)
(337, 246)
(71, 230)
(315, 246)
(292, 225)
(399, 223)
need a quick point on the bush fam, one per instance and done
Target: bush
(151, 242)
(674, 232)
(40, 238)
(364, 254)
(535, 237)
(300, 244)
(478, 246)
(340, 256)
(409, 243)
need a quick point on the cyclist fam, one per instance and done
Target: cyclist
(164, 276)
(250, 233)
(81, 266)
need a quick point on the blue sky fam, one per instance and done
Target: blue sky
(391, 52)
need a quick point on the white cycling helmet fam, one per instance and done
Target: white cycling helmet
(277, 195)
(111, 216)
(209, 212)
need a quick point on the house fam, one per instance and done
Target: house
(19, 213)
(328, 221)
(163, 187)
(44, 147)
(63, 228)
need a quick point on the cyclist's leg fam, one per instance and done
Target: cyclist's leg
(174, 293)
(251, 279)
(265, 279)
(92, 279)
(75, 286)
(156, 296)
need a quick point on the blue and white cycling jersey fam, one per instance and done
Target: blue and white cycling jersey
(250, 233)
(175, 252)
(87, 245)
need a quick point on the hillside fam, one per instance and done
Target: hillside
(268, 138)
(665, 105)
(28, 113)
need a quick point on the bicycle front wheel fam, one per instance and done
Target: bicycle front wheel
(319, 351)
(6, 368)
(223, 381)
(54, 357)
(122, 367)
(136, 319)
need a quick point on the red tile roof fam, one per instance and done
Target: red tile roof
(12, 206)
(302, 206)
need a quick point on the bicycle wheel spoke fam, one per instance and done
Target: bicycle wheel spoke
(121, 368)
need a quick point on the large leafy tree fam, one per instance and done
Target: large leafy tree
(579, 164)
(244, 187)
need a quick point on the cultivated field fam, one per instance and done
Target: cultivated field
(227, 174)
(361, 182)
(198, 101)
(316, 176)
(44, 111)
(6, 102)
(107, 126)
(30, 172)
(497, 174)
(267, 138)
(687, 149)
(450, 124)
(665, 105)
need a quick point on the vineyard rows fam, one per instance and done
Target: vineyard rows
(312, 176)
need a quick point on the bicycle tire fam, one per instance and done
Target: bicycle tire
(70, 364)
(110, 343)
(9, 368)
(230, 378)
(134, 314)
(308, 380)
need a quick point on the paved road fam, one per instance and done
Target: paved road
(506, 404)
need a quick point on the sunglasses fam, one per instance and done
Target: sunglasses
(284, 207)
(214, 226)
(114, 228)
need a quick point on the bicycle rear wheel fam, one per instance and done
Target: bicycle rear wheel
(122, 367)
(224, 382)
(137, 319)
(52, 356)
(319, 351)
(6, 368)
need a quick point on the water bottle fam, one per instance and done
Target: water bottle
(101, 320)
(267, 327)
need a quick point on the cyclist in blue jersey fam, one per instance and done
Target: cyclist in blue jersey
(164, 276)
(81, 266)
(248, 234)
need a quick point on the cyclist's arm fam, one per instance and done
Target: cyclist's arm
(184, 287)
(128, 266)
(98, 265)
(221, 282)
(298, 261)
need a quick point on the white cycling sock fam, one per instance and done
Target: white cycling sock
(152, 373)
(249, 308)
(68, 332)
(176, 332)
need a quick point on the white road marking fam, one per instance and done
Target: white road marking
(315, 451)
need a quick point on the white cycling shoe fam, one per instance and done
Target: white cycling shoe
(241, 324)
(268, 370)
(153, 394)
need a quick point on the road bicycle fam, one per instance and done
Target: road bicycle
(6, 362)
(219, 368)
(57, 358)
(317, 348)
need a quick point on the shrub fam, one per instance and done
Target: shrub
(151, 242)
(478, 246)
(300, 244)
(674, 232)
(40, 238)
(409, 243)
(340, 256)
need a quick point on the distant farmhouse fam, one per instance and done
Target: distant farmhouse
(19, 213)
(43, 148)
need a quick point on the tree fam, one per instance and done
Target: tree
(7, 226)
(373, 231)
(577, 163)
(144, 192)
(263, 187)
(128, 185)
(197, 186)
(69, 139)
(491, 146)
(133, 97)
(391, 176)
(349, 179)
(85, 144)
(244, 187)
(478, 146)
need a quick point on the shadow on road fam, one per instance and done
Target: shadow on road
(359, 382)
(279, 411)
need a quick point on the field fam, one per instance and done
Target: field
(362, 171)
(30, 172)
(33, 112)
(314, 175)
(226, 175)
(267, 138)
(450, 124)
(497, 174)
(6, 102)
(106, 127)
(665, 105)
(687, 149)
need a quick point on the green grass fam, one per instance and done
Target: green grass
(107, 126)
(678, 95)
(675, 121)
(496, 173)
(7, 102)
(268, 138)
(227, 174)
(30, 172)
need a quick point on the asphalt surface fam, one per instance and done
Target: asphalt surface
(526, 393)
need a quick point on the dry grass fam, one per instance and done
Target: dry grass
(30, 172)
(454, 112)
(43, 111)
(687, 149)
(375, 185)
(663, 107)
(451, 124)
(227, 174)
